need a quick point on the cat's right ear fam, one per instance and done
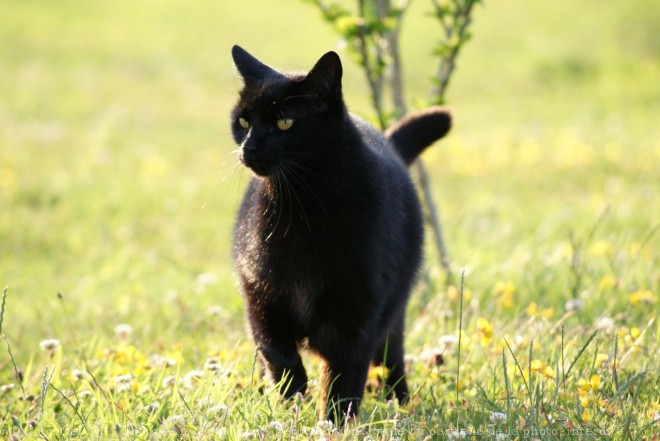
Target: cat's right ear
(249, 67)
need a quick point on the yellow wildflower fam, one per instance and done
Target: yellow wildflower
(485, 329)
(594, 382)
(635, 333)
(549, 372)
(505, 290)
(601, 248)
(607, 282)
(601, 359)
(586, 416)
(454, 294)
(642, 297)
(532, 309)
(583, 386)
(548, 312)
(7, 177)
(537, 366)
(378, 373)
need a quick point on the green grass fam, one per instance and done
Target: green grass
(118, 188)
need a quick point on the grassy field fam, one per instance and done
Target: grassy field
(118, 189)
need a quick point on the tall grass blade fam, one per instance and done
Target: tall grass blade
(2, 308)
(460, 336)
(580, 352)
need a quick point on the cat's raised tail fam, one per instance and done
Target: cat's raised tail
(412, 134)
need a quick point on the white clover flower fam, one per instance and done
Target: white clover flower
(150, 408)
(275, 426)
(50, 344)
(158, 360)
(501, 436)
(604, 324)
(204, 280)
(79, 374)
(7, 387)
(456, 434)
(193, 377)
(175, 419)
(212, 364)
(326, 426)
(124, 379)
(123, 388)
(168, 381)
(433, 357)
(248, 435)
(574, 305)
(215, 310)
(497, 417)
(85, 394)
(219, 410)
(448, 341)
(123, 331)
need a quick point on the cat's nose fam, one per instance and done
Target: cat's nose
(249, 143)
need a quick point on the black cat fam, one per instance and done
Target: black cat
(329, 236)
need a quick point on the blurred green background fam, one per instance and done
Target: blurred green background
(119, 180)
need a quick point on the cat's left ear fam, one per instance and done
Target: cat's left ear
(326, 73)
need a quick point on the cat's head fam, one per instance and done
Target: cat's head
(282, 118)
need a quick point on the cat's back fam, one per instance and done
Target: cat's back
(376, 142)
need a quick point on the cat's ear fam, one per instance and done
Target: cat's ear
(249, 67)
(326, 73)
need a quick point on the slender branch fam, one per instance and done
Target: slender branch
(455, 29)
(373, 78)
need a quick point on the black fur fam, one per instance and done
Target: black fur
(329, 236)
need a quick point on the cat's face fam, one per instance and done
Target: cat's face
(280, 119)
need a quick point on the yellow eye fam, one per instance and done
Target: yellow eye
(243, 123)
(284, 124)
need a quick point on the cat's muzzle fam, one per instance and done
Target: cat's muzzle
(256, 162)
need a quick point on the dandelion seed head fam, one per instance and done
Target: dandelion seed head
(604, 324)
(123, 331)
(50, 344)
